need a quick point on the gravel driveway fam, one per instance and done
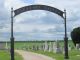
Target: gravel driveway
(33, 56)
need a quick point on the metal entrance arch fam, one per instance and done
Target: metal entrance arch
(39, 7)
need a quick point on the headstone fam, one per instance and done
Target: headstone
(2, 46)
(54, 46)
(6, 46)
(63, 49)
(37, 47)
(46, 46)
(41, 47)
(33, 47)
(50, 47)
(69, 47)
(78, 46)
(57, 48)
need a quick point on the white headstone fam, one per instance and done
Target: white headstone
(41, 47)
(46, 46)
(2, 46)
(6, 45)
(78, 46)
(69, 47)
(50, 47)
(56, 47)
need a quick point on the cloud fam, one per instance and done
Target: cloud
(3, 15)
(38, 25)
(72, 6)
(14, 3)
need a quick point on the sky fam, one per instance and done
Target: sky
(38, 24)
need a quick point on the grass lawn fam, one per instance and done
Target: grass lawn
(73, 55)
(5, 55)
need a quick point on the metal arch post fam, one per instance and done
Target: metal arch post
(12, 37)
(65, 38)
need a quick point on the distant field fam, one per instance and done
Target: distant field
(5, 55)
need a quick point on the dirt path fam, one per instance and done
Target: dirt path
(33, 56)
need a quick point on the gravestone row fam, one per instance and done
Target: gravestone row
(46, 46)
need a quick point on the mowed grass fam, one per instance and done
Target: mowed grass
(5, 55)
(73, 55)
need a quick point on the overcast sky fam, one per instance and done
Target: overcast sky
(38, 24)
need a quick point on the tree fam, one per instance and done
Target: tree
(75, 35)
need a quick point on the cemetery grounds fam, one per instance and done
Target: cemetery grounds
(74, 54)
